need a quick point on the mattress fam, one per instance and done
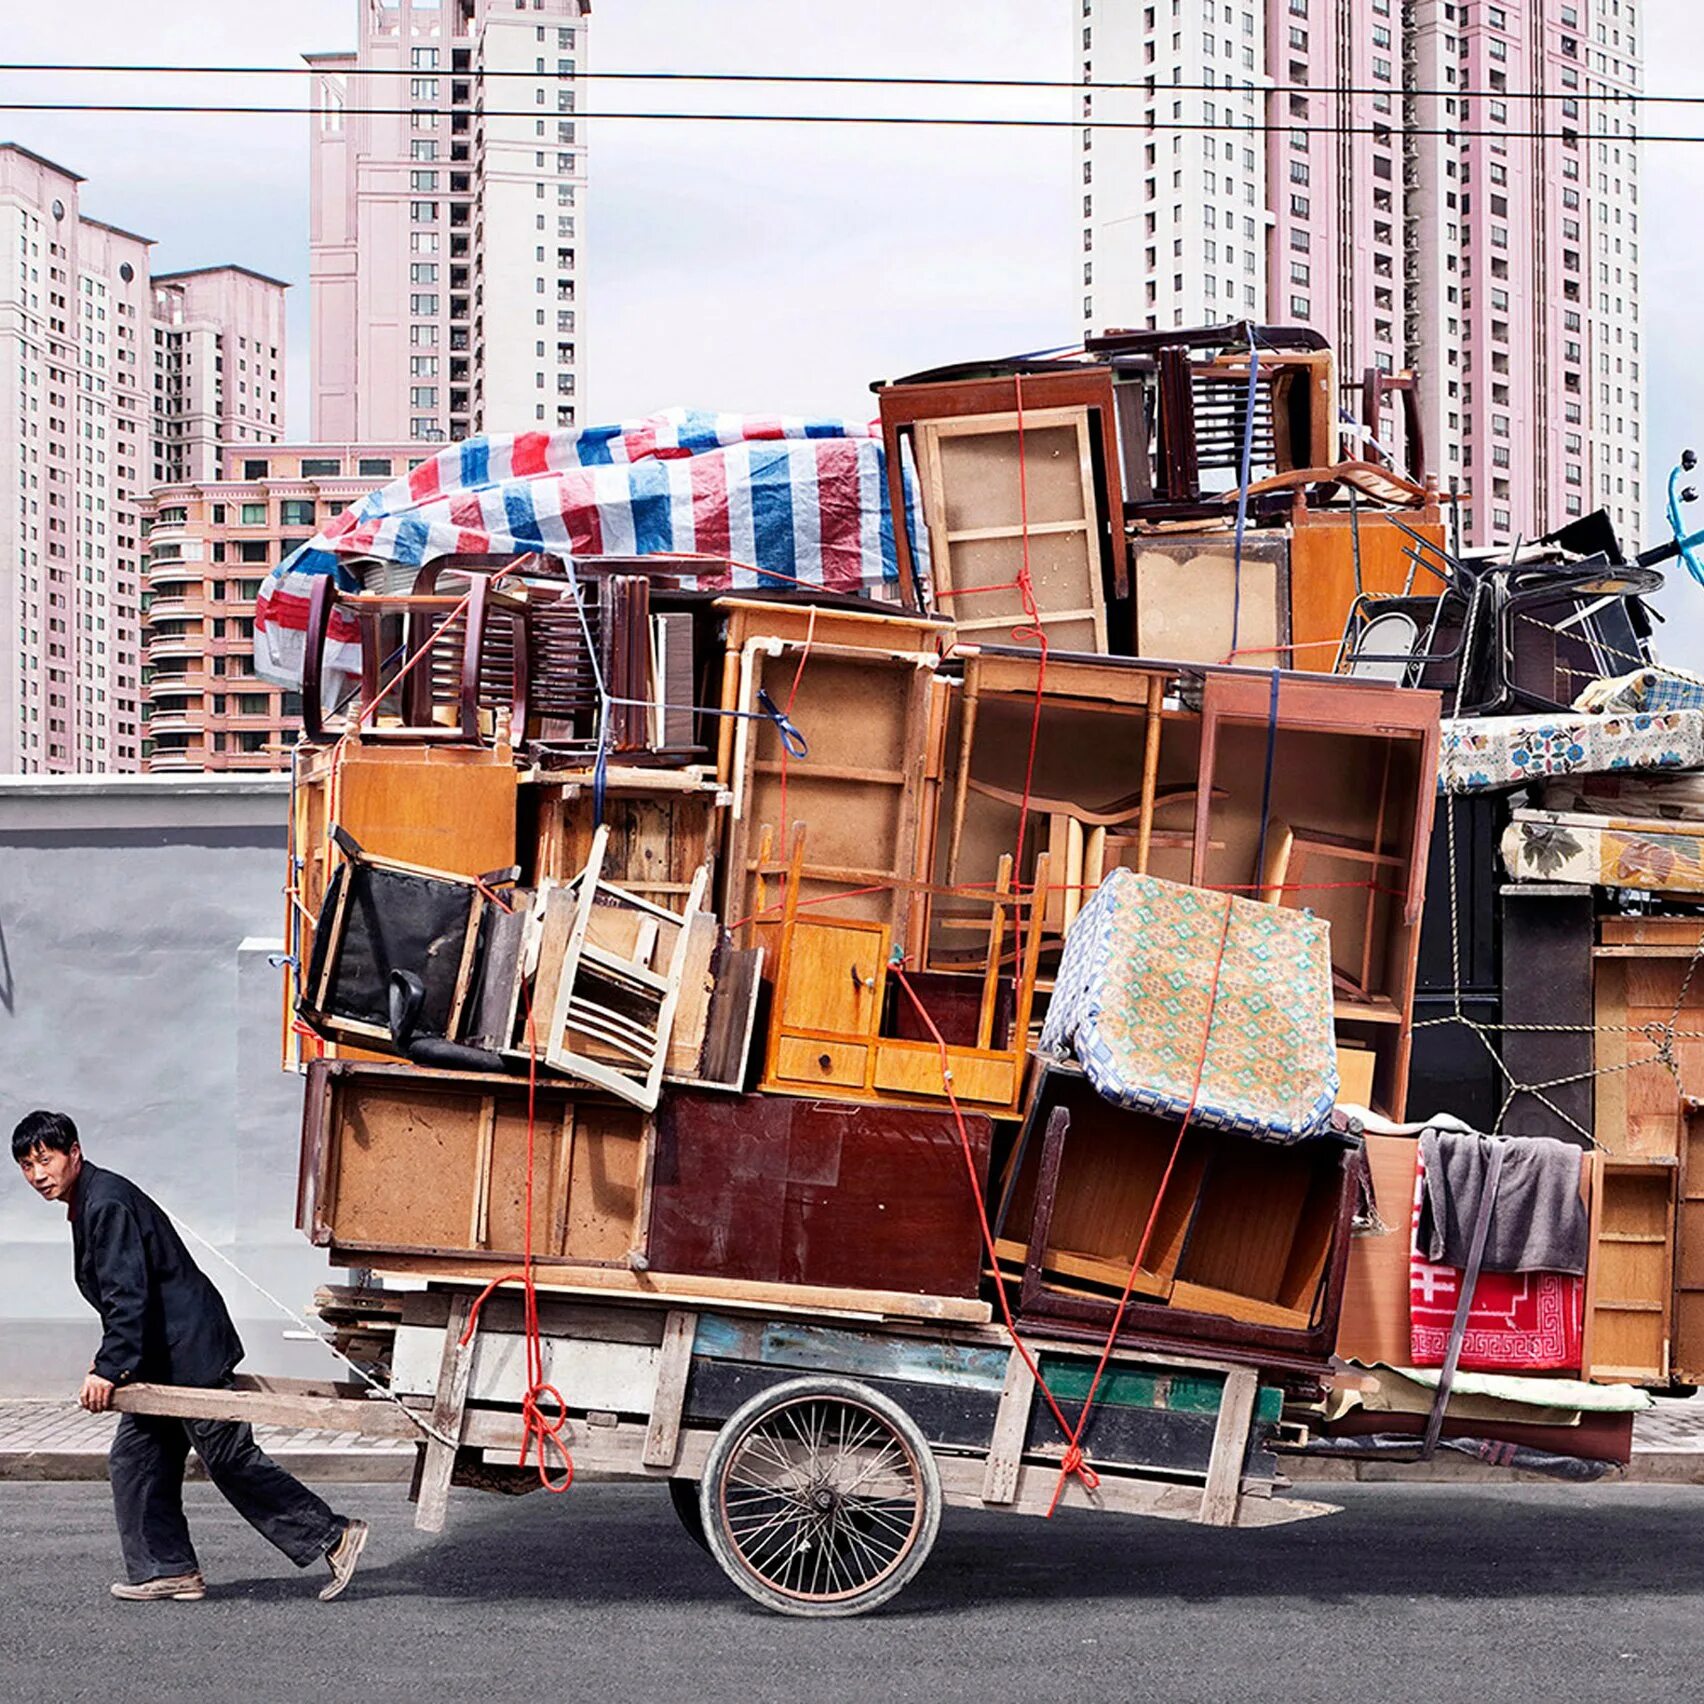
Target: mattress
(1479, 754)
(1158, 980)
(1557, 846)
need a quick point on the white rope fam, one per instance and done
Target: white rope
(326, 1343)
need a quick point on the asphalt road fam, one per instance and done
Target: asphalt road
(1431, 1593)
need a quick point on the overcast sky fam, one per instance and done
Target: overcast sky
(746, 266)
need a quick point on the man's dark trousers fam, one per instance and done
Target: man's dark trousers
(147, 1463)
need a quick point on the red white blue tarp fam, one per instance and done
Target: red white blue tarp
(795, 501)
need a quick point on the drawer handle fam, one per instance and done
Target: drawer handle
(824, 1062)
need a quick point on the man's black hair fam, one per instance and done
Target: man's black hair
(43, 1130)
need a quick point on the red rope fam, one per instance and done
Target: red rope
(1074, 1447)
(1079, 1467)
(538, 1427)
(787, 715)
(1032, 630)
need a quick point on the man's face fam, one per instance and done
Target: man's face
(51, 1174)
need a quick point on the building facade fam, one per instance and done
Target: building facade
(76, 442)
(218, 367)
(210, 544)
(1449, 186)
(114, 374)
(447, 221)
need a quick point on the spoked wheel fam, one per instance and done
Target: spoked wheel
(683, 1494)
(820, 1497)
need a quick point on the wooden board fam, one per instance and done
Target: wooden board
(403, 1160)
(1193, 604)
(1323, 573)
(1375, 1324)
(1631, 1292)
(1687, 1344)
(671, 1288)
(779, 1190)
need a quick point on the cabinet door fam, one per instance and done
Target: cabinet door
(834, 976)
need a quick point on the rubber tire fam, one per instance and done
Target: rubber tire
(722, 1451)
(683, 1495)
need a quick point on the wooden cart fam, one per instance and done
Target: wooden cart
(810, 1451)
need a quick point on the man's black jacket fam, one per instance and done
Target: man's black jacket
(164, 1322)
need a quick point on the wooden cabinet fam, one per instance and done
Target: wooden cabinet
(791, 1190)
(1630, 1291)
(397, 1160)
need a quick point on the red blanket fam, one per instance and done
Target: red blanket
(1520, 1322)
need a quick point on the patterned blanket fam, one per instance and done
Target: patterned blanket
(1137, 1001)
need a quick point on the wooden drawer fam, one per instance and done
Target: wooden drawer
(801, 1060)
(916, 1070)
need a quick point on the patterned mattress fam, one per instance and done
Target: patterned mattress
(1479, 754)
(1134, 1000)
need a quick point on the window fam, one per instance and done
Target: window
(423, 272)
(253, 515)
(374, 467)
(423, 305)
(253, 704)
(296, 512)
(422, 212)
(422, 180)
(423, 396)
(255, 469)
(250, 550)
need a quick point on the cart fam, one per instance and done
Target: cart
(810, 1452)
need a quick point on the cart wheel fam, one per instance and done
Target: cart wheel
(683, 1493)
(820, 1497)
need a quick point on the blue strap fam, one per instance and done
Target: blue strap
(1242, 484)
(1271, 748)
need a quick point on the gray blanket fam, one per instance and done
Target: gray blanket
(1538, 1221)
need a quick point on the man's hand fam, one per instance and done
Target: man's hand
(96, 1394)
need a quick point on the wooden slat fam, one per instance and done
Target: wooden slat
(662, 1439)
(448, 1408)
(1220, 1496)
(1011, 1425)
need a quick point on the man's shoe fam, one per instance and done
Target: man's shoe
(184, 1588)
(342, 1557)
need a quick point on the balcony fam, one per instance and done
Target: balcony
(175, 574)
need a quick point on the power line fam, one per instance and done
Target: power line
(1147, 86)
(1232, 126)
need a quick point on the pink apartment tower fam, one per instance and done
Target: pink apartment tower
(111, 374)
(447, 221)
(1450, 186)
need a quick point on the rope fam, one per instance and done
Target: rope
(425, 1426)
(538, 1428)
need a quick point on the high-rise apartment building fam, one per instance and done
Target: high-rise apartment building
(78, 437)
(211, 542)
(1450, 186)
(218, 366)
(447, 220)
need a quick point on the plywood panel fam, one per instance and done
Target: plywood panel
(1375, 1323)
(1632, 1285)
(437, 1162)
(1323, 577)
(1000, 493)
(1189, 607)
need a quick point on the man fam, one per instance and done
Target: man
(163, 1322)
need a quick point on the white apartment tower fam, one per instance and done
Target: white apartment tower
(448, 221)
(1174, 206)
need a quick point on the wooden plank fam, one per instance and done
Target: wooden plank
(665, 1287)
(1221, 1494)
(662, 1439)
(1011, 1427)
(449, 1404)
(302, 1412)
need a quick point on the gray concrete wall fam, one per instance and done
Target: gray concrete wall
(137, 914)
